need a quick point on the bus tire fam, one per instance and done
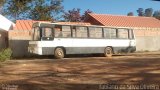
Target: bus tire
(108, 52)
(59, 53)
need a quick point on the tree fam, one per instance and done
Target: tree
(72, 15)
(130, 14)
(148, 12)
(1, 5)
(140, 12)
(84, 16)
(32, 9)
(1, 2)
(75, 16)
(43, 10)
(15, 9)
(157, 14)
(155, 0)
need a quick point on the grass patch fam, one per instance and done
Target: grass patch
(5, 54)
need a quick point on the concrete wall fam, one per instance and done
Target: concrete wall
(150, 43)
(18, 42)
(19, 48)
(3, 39)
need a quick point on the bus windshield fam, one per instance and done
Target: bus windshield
(36, 34)
(43, 33)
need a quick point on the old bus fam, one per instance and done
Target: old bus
(58, 39)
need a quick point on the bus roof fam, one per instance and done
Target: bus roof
(49, 24)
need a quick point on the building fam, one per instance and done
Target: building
(147, 29)
(5, 26)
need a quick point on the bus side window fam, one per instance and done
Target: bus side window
(73, 31)
(131, 36)
(110, 33)
(95, 32)
(66, 31)
(81, 32)
(123, 33)
(58, 31)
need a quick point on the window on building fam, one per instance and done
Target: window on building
(95, 32)
(123, 33)
(110, 33)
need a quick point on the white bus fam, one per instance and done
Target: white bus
(58, 39)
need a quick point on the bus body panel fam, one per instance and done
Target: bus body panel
(82, 46)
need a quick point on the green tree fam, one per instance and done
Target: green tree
(43, 10)
(157, 14)
(32, 9)
(75, 16)
(148, 12)
(72, 15)
(130, 14)
(140, 12)
(16, 9)
(85, 15)
(1, 4)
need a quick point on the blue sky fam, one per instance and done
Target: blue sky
(117, 7)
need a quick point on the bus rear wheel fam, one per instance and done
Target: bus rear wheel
(108, 52)
(59, 53)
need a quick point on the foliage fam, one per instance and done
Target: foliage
(148, 12)
(43, 10)
(140, 12)
(130, 14)
(16, 9)
(72, 15)
(1, 2)
(5, 54)
(157, 14)
(32, 9)
(84, 16)
(75, 16)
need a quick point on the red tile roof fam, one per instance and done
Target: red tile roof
(125, 21)
(27, 24)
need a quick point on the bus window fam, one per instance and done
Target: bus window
(73, 31)
(95, 32)
(123, 33)
(110, 33)
(66, 31)
(47, 32)
(81, 32)
(131, 36)
(58, 31)
(36, 33)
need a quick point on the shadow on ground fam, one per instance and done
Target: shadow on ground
(82, 74)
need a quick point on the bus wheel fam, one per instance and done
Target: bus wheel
(59, 53)
(108, 52)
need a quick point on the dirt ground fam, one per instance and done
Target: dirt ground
(81, 73)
